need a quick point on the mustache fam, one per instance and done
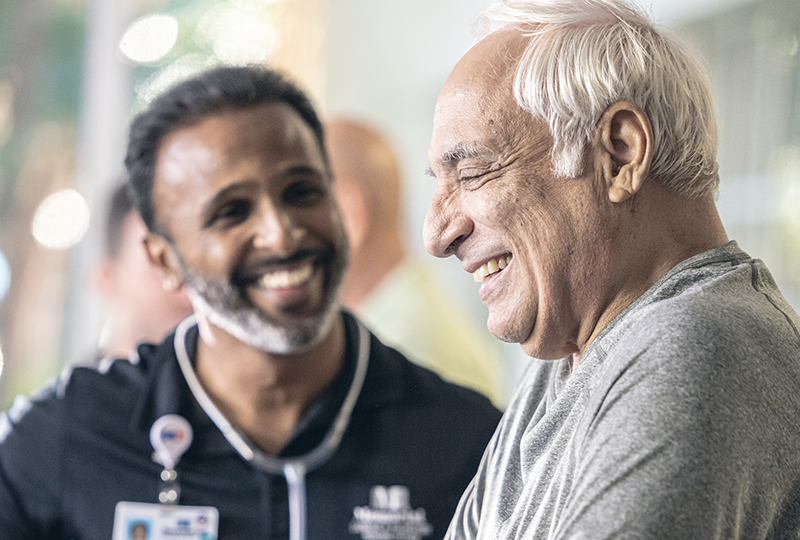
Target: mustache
(253, 271)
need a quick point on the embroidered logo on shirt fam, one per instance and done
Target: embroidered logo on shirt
(389, 516)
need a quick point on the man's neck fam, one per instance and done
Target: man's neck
(664, 233)
(261, 394)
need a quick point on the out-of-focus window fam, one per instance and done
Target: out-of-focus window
(753, 52)
(41, 47)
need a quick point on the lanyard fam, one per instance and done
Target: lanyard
(294, 469)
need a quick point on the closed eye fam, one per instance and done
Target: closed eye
(465, 176)
(474, 178)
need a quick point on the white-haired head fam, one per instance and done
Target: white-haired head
(585, 55)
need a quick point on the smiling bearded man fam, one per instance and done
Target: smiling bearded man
(304, 263)
(272, 412)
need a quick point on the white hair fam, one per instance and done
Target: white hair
(586, 55)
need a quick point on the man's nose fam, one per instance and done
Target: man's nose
(446, 225)
(277, 230)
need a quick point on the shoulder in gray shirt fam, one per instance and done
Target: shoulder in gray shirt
(680, 421)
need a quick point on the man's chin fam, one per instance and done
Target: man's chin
(291, 329)
(297, 335)
(504, 331)
(510, 330)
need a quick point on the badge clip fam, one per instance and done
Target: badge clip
(171, 436)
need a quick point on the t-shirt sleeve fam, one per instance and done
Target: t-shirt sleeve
(479, 509)
(30, 449)
(464, 524)
(688, 436)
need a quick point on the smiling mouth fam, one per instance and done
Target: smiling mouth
(491, 267)
(283, 279)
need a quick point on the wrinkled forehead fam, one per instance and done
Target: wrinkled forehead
(482, 80)
(477, 97)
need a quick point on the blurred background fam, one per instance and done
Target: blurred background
(72, 72)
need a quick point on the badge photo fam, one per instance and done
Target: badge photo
(144, 521)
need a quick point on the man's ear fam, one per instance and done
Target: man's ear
(162, 255)
(624, 146)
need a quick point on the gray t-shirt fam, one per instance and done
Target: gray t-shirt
(681, 421)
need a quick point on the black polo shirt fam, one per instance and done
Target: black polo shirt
(68, 455)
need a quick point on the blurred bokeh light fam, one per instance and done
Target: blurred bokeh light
(5, 276)
(61, 220)
(150, 38)
(238, 35)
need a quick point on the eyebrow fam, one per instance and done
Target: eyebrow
(459, 152)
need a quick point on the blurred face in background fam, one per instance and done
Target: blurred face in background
(140, 309)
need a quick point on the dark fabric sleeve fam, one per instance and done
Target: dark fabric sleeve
(30, 457)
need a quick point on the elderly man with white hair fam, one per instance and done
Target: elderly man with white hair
(574, 151)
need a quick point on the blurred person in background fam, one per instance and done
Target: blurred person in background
(139, 308)
(574, 151)
(398, 296)
(269, 413)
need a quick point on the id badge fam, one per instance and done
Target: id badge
(144, 521)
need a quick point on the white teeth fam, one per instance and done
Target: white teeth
(491, 267)
(287, 278)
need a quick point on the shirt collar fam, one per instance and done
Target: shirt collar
(165, 391)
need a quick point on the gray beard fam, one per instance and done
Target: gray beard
(222, 305)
